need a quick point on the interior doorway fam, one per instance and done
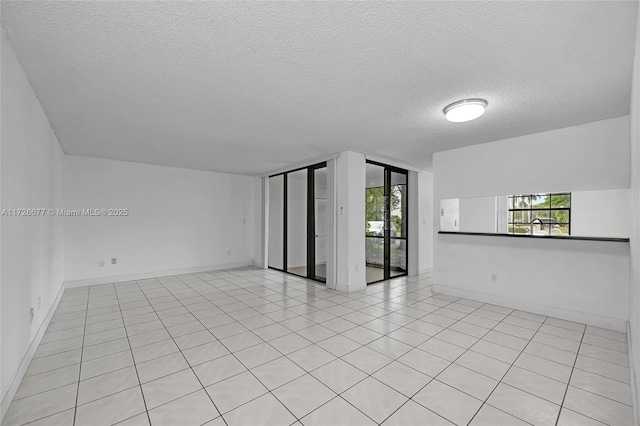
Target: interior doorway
(386, 192)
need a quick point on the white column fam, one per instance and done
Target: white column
(425, 236)
(350, 212)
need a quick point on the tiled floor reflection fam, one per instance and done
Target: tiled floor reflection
(258, 347)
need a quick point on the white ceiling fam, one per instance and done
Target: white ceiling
(251, 87)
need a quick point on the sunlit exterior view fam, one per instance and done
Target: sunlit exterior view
(540, 214)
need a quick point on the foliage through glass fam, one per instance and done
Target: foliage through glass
(540, 214)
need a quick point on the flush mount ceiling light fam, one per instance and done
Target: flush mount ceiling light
(465, 110)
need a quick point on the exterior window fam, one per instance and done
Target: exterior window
(540, 214)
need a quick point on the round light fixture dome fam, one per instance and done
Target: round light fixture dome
(465, 110)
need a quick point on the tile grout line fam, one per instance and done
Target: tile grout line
(367, 375)
(398, 305)
(175, 298)
(185, 359)
(564, 396)
(510, 364)
(291, 332)
(230, 352)
(523, 351)
(135, 366)
(370, 375)
(509, 369)
(450, 362)
(337, 395)
(204, 388)
(75, 408)
(415, 347)
(247, 370)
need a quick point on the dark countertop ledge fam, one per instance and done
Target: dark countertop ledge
(538, 237)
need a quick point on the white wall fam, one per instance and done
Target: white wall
(478, 214)
(425, 225)
(259, 215)
(420, 222)
(600, 213)
(178, 219)
(585, 281)
(32, 247)
(580, 281)
(634, 225)
(588, 157)
(502, 213)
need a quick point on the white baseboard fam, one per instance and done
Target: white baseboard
(346, 288)
(425, 271)
(155, 274)
(7, 398)
(556, 312)
(634, 380)
(26, 360)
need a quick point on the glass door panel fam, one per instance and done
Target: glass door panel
(386, 222)
(398, 229)
(296, 222)
(375, 208)
(398, 257)
(320, 222)
(276, 222)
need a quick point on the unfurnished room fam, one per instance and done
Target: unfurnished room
(319, 213)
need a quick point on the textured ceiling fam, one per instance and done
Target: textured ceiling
(251, 87)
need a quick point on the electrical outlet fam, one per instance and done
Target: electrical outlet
(31, 315)
(114, 260)
(101, 264)
(228, 252)
(494, 278)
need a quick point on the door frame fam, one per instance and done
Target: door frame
(387, 170)
(311, 221)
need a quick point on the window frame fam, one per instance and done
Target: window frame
(530, 209)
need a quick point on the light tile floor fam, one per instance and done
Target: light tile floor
(258, 347)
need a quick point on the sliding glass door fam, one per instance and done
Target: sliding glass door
(386, 222)
(398, 223)
(376, 204)
(298, 222)
(320, 225)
